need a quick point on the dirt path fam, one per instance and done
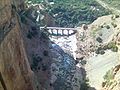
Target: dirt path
(105, 5)
(97, 66)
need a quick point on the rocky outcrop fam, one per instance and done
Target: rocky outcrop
(100, 66)
(112, 79)
(85, 43)
(65, 75)
(15, 72)
(37, 49)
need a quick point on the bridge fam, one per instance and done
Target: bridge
(59, 31)
(53, 31)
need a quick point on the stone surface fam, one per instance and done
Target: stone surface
(15, 73)
(66, 75)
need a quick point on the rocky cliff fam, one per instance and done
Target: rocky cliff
(102, 43)
(15, 73)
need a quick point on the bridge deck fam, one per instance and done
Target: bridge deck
(59, 28)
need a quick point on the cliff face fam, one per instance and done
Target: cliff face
(15, 73)
(112, 79)
(98, 49)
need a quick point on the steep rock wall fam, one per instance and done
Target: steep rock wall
(15, 73)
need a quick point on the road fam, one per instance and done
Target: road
(105, 5)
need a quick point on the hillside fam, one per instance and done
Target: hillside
(105, 58)
(15, 73)
(24, 51)
(71, 13)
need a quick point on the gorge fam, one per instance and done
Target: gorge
(33, 59)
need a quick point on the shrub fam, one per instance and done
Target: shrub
(99, 39)
(35, 60)
(105, 47)
(114, 25)
(100, 51)
(102, 26)
(44, 67)
(23, 19)
(45, 53)
(109, 76)
(114, 49)
(44, 35)
(103, 84)
(83, 62)
(31, 34)
(113, 18)
(112, 46)
(85, 85)
(117, 16)
(36, 57)
(108, 27)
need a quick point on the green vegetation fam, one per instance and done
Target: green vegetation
(107, 26)
(113, 17)
(94, 31)
(85, 85)
(117, 16)
(100, 51)
(44, 35)
(99, 39)
(23, 19)
(112, 46)
(108, 78)
(32, 33)
(44, 67)
(36, 59)
(114, 25)
(70, 13)
(45, 53)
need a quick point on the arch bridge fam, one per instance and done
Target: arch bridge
(59, 31)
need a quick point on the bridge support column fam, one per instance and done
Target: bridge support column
(52, 31)
(68, 33)
(62, 32)
(57, 32)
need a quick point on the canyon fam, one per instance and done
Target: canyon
(31, 59)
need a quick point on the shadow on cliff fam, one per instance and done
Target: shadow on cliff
(43, 53)
(37, 48)
(70, 75)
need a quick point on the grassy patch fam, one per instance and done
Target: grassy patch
(108, 78)
(94, 31)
